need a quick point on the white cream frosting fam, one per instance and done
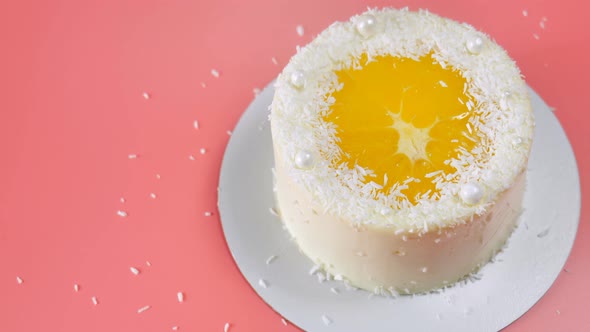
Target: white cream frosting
(340, 219)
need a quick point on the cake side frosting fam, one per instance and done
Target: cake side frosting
(390, 262)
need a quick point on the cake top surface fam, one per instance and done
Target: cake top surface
(498, 118)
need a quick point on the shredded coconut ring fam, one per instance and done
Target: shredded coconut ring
(307, 144)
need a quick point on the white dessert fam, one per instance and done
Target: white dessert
(378, 227)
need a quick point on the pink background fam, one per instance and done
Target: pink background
(72, 110)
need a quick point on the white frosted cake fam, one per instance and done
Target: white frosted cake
(401, 141)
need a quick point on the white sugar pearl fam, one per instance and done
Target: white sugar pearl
(366, 25)
(475, 45)
(304, 159)
(297, 79)
(471, 193)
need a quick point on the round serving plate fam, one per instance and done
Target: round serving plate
(506, 289)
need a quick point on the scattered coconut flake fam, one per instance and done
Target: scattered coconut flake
(203, 85)
(525, 13)
(122, 213)
(215, 73)
(542, 24)
(543, 233)
(76, 288)
(536, 36)
(134, 270)
(158, 176)
(300, 30)
(314, 269)
(191, 157)
(334, 290)
(262, 283)
(321, 277)
(274, 60)
(349, 287)
(122, 200)
(94, 300)
(273, 211)
(19, 280)
(228, 132)
(146, 95)
(174, 328)
(284, 321)
(180, 296)
(271, 259)
(203, 150)
(142, 309)
(153, 195)
(132, 156)
(196, 124)
(208, 214)
(558, 312)
(442, 83)
(148, 263)
(327, 320)
(256, 91)
(226, 327)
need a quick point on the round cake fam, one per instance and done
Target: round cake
(401, 141)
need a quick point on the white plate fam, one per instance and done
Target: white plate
(511, 285)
